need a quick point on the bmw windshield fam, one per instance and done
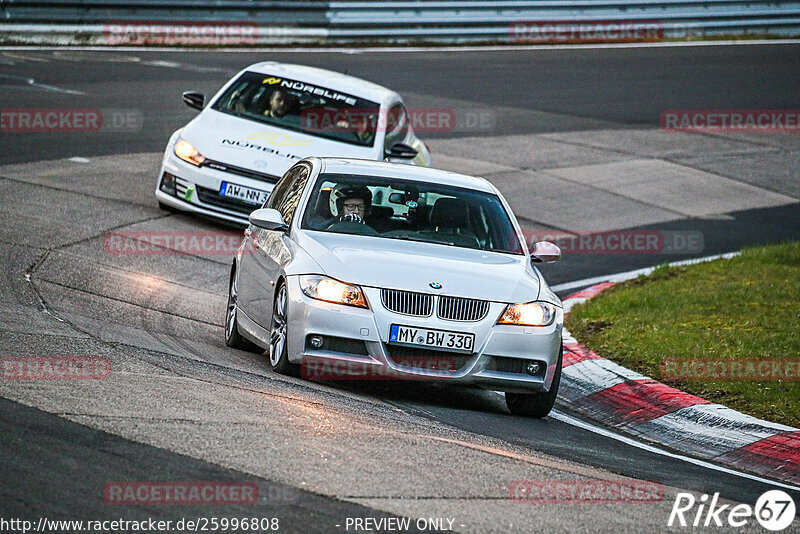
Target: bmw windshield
(393, 208)
(302, 107)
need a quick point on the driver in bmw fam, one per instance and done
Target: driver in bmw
(352, 203)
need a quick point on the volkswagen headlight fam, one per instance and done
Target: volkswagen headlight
(188, 153)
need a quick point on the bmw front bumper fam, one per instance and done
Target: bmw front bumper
(356, 345)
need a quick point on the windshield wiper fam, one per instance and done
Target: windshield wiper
(422, 240)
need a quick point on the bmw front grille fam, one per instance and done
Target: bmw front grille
(407, 302)
(421, 305)
(461, 309)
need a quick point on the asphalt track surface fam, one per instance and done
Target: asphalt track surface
(181, 406)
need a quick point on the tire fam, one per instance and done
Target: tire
(278, 335)
(536, 405)
(232, 336)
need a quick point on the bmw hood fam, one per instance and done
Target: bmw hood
(260, 147)
(414, 266)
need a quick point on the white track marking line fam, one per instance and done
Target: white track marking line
(31, 82)
(78, 159)
(59, 54)
(630, 275)
(574, 421)
(568, 419)
(26, 58)
(396, 49)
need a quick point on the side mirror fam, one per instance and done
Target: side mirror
(401, 150)
(194, 100)
(397, 198)
(545, 252)
(268, 219)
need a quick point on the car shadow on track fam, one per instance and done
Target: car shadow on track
(422, 395)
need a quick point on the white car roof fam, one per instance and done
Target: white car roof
(405, 172)
(327, 79)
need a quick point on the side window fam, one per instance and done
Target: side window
(281, 188)
(396, 126)
(294, 190)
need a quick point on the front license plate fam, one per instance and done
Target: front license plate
(441, 339)
(247, 194)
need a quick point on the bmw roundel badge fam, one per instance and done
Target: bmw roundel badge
(435, 285)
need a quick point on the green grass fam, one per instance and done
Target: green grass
(742, 308)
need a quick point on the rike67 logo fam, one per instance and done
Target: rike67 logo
(774, 510)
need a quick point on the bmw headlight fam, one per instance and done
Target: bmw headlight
(324, 288)
(529, 314)
(188, 153)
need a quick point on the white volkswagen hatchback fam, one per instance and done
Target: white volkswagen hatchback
(357, 269)
(225, 162)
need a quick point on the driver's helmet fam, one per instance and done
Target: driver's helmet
(344, 191)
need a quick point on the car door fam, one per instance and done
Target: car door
(250, 290)
(270, 250)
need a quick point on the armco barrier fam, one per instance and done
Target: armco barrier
(421, 21)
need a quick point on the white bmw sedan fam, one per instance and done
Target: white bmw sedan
(225, 162)
(357, 269)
